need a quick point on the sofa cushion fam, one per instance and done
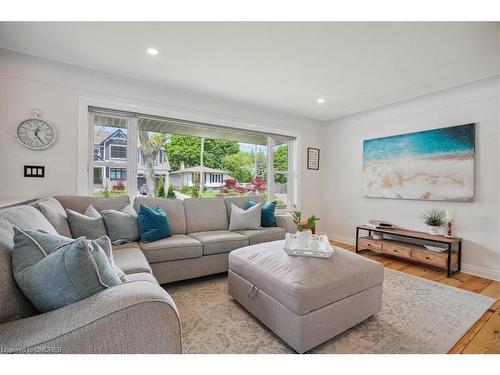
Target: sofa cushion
(178, 246)
(54, 212)
(27, 217)
(256, 236)
(174, 208)
(80, 203)
(70, 273)
(141, 276)
(242, 219)
(13, 304)
(121, 225)
(131, 260)
(241, 202)
(90, 224)
(128, 245)
(205, 215)
(220, 241)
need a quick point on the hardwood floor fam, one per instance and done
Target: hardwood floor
(484, 336)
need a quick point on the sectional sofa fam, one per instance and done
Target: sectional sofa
(138, 316)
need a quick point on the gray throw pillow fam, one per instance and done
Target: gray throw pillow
(55, 214)
(90, 225)
(27, 217)
(121, 225)
(53, 272)
(245, 219)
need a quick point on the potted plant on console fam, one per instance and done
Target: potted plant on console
(434, 218)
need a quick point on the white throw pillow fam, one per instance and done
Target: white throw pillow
(245, 219)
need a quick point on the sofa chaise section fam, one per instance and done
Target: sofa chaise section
(135, 317)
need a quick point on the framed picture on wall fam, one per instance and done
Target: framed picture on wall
(436, 164)
(313, 158)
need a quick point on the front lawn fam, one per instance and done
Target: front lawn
(112, 193)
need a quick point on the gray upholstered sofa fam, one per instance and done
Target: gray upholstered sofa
(138, 316)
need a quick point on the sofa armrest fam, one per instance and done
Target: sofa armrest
(135, 317)
(285, 221)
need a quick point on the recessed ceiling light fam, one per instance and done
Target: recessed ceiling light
(152, 51)
(320, 100)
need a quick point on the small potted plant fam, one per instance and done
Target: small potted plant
(309, 224)
(434, 218)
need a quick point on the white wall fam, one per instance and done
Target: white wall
(477, 222)
(28, 82)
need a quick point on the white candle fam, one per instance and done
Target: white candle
(450, 216)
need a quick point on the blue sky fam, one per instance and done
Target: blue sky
(249, 148)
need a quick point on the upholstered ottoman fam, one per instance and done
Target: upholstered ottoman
(305, 301)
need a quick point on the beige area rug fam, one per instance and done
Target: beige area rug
(418, 316)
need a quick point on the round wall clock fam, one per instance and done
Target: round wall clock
(35, 133)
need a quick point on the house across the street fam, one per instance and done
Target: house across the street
(213, 178)
(111, 147)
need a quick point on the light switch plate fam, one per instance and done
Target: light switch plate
(34, 171)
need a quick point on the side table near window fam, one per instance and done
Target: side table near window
(400, 246)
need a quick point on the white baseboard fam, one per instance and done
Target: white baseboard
(487, 273)
(339, 238)
(466, 268)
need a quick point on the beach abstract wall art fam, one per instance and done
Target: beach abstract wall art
(432, 165)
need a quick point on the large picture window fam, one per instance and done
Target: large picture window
(137, 154)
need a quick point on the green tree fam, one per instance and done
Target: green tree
(171, 192)
(260, 165)
(183, 148)
(240, 165)
(195, 190)
(160, 191)
(187, 148)
(280, 158)
(216, 149)
(280, 163)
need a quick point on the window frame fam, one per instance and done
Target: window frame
(109, 105)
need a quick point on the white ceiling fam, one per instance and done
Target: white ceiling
(354, 65)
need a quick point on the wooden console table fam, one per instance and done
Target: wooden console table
(450, 259)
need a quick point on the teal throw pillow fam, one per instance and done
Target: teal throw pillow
(267, 218)
(55, 272)
(153, 224)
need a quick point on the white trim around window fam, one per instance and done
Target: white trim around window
(83, 130)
